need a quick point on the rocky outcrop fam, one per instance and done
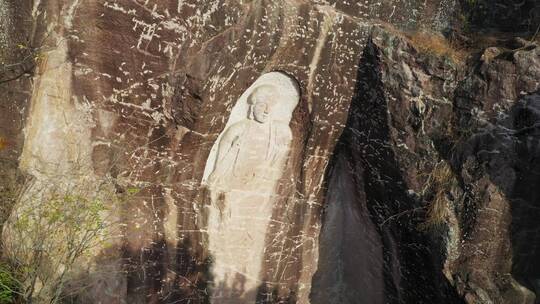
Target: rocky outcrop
(496, 119)
(372, 241)
(429, 160)
(501, 15)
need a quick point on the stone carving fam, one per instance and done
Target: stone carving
(251, 147)
(242, 172)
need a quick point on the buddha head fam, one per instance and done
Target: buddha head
(260, 102)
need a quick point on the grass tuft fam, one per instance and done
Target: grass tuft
(440, 182)
(437, 45)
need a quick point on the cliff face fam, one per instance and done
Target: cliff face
(427, 181)
(495, 163)
(384, 159)
(406, 178)
(14, 91)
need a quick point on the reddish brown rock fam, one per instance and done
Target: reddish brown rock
(133, 94)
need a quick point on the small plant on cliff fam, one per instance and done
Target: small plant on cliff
(438, 186)
(9, 285)
(28, 58)
(47, 239)
(437, 45)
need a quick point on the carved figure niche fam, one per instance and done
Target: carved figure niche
(243, 168)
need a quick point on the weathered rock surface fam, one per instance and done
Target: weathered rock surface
(495, 111)
(134, 95)
(14, 95)
(502, 15)
(371, 242)
(411, 116)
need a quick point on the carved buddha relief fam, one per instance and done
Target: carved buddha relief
(242, 171)
(252, 146)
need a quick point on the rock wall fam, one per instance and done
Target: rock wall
(507, 16)
(14, 95)
(375, 250)
(413, 115)
(132, 96)
(492, 112)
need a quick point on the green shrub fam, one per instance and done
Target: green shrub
(9, 286)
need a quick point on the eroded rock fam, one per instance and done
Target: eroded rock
(134, 94)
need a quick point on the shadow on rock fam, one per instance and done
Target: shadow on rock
(370, 249)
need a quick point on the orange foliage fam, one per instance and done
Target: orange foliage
(3, 143)
(437, 45)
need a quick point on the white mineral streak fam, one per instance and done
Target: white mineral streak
(57, 133)
(242, 172)
(70, 14)
(321, 42)
(35, 11)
